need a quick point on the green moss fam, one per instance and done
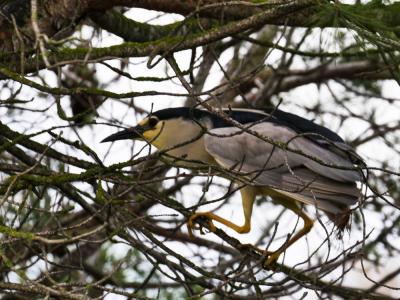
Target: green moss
(100, 195)
(16, 234)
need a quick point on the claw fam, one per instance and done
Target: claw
(271, 259)
(191, 225)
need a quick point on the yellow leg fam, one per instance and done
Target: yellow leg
(308, 224)
(248, 195)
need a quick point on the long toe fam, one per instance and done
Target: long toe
(272, 258)
(192, 225)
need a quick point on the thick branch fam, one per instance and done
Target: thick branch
(349, 70)
(174, 44)
(133, 31)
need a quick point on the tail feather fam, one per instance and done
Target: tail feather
(341, 221)
(339, 215)
(308, 187)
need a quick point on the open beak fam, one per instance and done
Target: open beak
(127, 134)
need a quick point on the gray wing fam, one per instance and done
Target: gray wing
(264, 164)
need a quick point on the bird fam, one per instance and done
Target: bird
(267, 152)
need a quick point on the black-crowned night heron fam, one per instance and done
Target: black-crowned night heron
(274, 153)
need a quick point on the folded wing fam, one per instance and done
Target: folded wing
(330, 186)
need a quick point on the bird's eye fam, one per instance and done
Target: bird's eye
(153, 122)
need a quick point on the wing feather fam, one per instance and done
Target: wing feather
(327, 187)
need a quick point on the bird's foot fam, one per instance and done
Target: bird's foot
(271, 259)
(250, 247)
(191, 223)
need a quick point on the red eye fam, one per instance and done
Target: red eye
(153, 122)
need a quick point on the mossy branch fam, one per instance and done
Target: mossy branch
(133, 31)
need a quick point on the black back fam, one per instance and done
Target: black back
(298, 124)
(302, 125)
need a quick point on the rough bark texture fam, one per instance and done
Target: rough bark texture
(110, 220)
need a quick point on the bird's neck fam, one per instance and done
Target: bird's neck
(185, 139)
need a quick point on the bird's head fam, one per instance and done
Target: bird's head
(164, 128)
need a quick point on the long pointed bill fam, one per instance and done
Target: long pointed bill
(127, 134)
